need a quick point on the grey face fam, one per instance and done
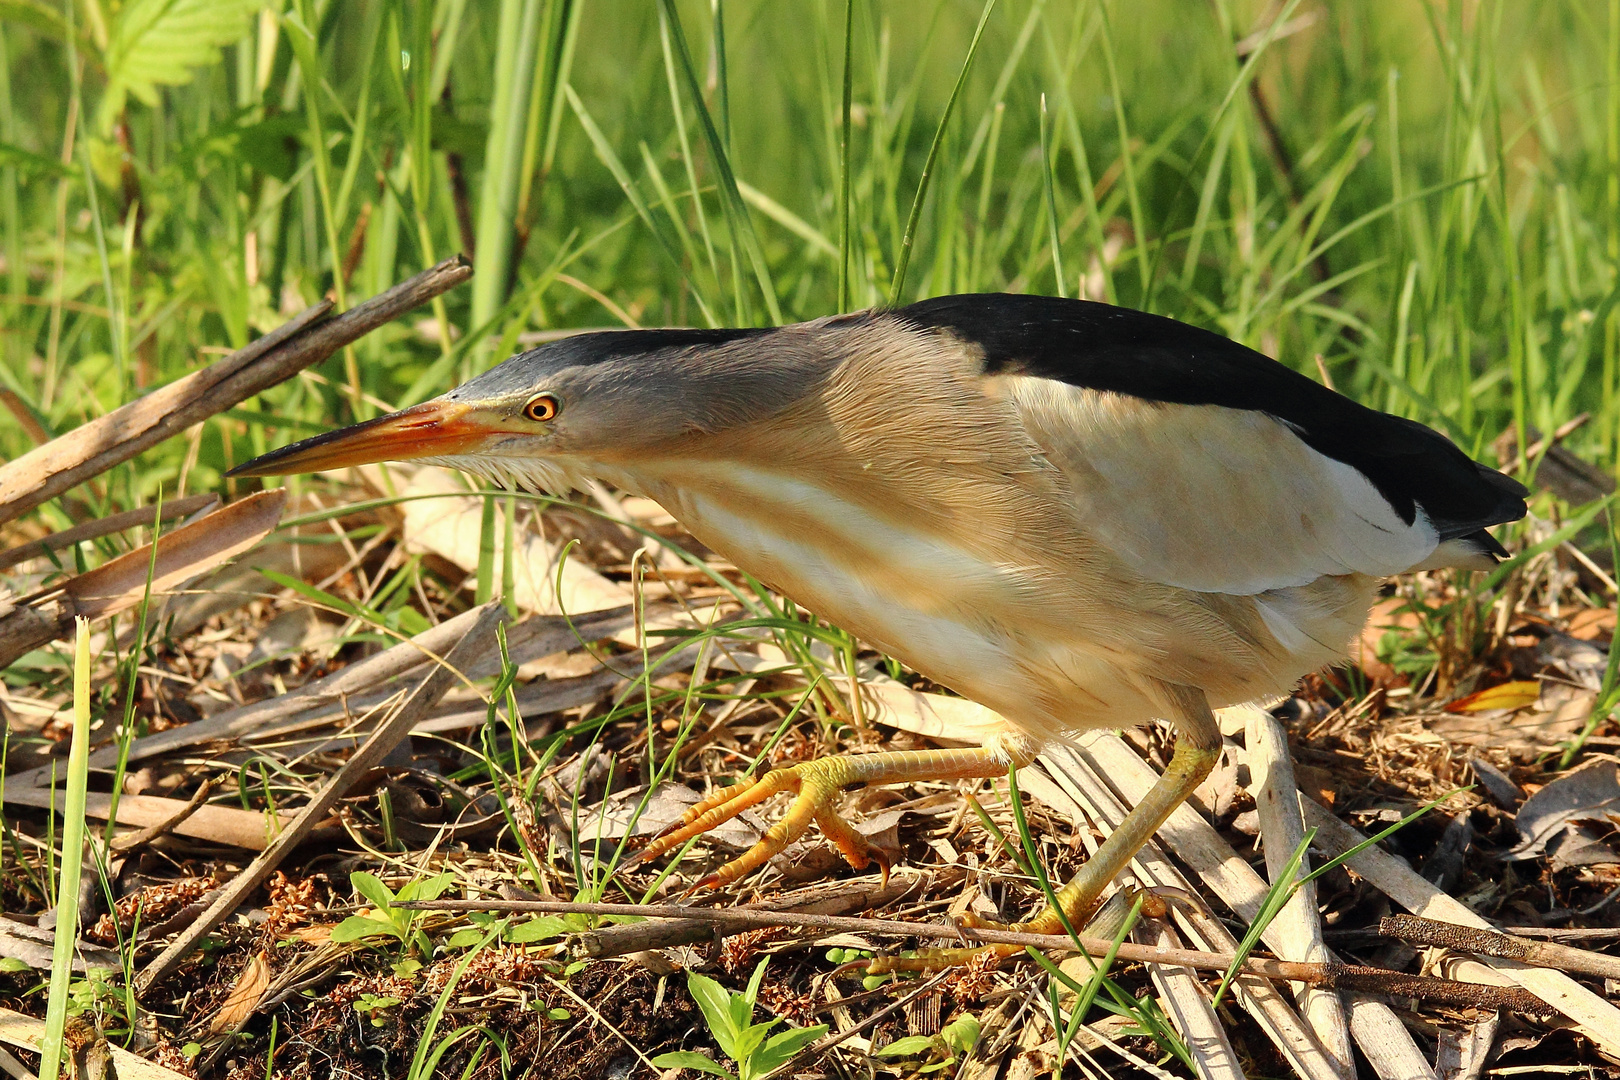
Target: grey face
(624, 393)
(591, 406)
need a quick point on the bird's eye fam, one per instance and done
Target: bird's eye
(541, 408)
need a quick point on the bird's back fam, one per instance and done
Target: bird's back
(1154, 359)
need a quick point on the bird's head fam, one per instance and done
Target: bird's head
(585, 406)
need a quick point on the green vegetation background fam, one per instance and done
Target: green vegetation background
(1425, 196)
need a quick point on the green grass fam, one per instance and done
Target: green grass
(1424, 196)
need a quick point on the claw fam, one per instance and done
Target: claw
(816, 784)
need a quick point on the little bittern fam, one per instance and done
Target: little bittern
(1077, 515)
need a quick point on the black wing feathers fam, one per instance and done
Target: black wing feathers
(1102, 347)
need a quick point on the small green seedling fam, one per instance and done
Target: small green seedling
(385, 919)
(940, 1051)
(729, 1018)
(375, 1007)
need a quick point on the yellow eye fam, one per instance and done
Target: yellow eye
(541, 408)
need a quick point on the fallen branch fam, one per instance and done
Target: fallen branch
(1598, 1018)
(1330, 975)
(91, 449)
(828, 898)
(1471, 939)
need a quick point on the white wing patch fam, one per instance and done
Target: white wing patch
(1213, 499)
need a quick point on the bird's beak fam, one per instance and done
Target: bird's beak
(432, 429)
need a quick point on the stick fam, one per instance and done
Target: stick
(1420, 931)
(828, 898)
(1333, 975)
(119, 584)
(423, 698)
(90, 449)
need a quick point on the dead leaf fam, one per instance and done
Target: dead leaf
(113, 523)
(1591, 793)
(244, 996)
(1508, 695)
(33, 946)
(1497, 784)
(1561, 711)
(1582, 661)
(1592, 624)
(450, 526)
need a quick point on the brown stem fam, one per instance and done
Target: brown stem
(1469, 939)
(1334, 976)
(357, 244)
(129, 181)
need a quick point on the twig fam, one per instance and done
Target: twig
(1471, 939)
(1276, 796)
(130, 841)
(1331, 975)
(92, 530)
(840, 897)
(422, 699)
(90, 449)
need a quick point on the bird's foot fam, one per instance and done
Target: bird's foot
(816, 784)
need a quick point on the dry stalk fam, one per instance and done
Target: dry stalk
(91, 449)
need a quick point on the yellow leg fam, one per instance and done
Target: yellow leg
(817, 785)
(1198, 747)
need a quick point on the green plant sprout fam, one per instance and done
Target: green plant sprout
(938, 1052)
(728, 1016)
(386, 920)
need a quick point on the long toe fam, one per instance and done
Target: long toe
(818, 785)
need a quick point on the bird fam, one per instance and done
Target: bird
(1079, 515)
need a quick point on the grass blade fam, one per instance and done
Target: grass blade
(910, 234)
(67, 887)
(738, 220)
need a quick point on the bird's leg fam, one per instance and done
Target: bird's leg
(1198, 747)
(817, 785)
